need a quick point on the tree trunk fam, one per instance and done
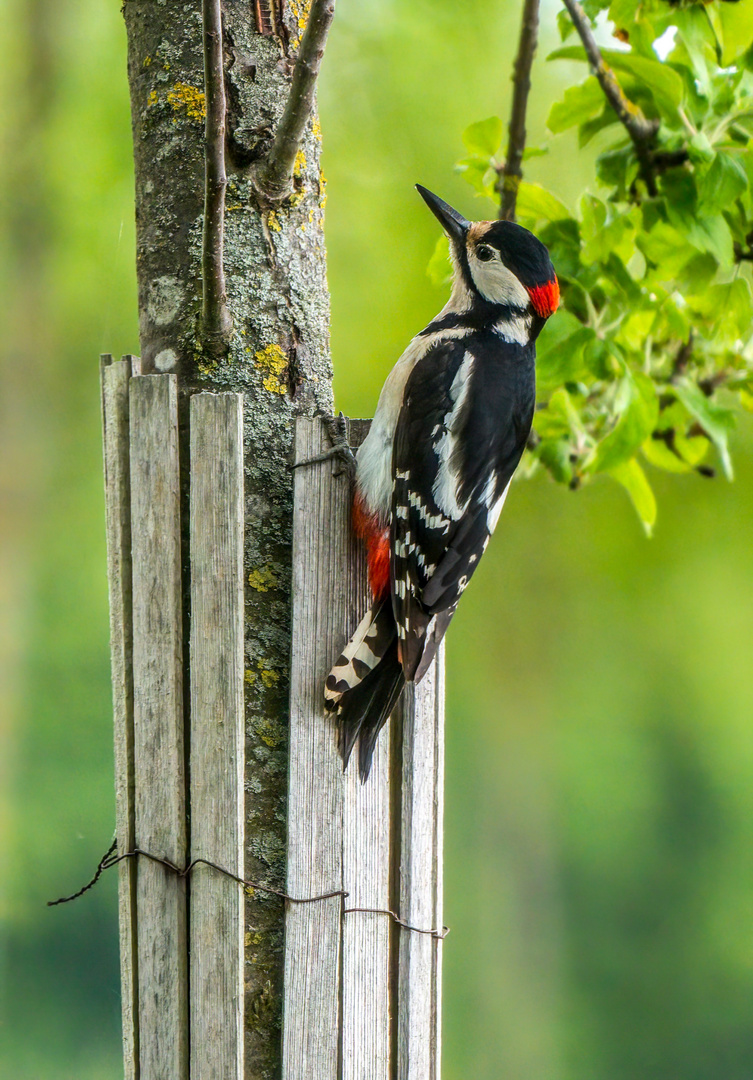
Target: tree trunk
(278, 358)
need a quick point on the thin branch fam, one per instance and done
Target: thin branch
(273, 176)
(511, 172)
(216, 322)
(641, 130)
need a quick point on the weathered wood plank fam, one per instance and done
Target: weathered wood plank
(160, 811)
(366, 866)
(216, 735)
(420, 888)
(114, 383)
(320, 596)
(338, 826)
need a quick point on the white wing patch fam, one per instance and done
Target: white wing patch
(495, 509)
(446, 484)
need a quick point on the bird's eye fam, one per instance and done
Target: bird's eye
(485, 253)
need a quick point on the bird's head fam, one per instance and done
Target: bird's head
(497, 262)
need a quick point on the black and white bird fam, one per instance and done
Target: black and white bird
(433, 473)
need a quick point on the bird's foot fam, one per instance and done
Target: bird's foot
(342, 451)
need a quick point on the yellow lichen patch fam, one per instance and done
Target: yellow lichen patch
(322, 190)
(300, 163)
(300, 9)
(208, 367)
(274, 363)
(269, 734)
(263, 579)
(296, 198)
(152, 99)
(147, 61)
(273, 221)
(189, 100)
(251, 939)
(270, 678)
(316, 129)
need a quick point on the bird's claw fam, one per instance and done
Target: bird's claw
(342, 451)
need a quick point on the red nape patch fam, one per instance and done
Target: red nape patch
(545, 298)
(377, 541)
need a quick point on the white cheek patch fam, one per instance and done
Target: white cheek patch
(496, 283)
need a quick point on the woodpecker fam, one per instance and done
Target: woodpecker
(433, 473)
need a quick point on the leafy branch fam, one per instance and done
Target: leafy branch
(641, 131)
(651, 351)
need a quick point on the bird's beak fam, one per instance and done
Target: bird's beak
(453, 223)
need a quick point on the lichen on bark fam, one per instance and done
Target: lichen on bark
(278, 357)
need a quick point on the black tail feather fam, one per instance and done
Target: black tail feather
(365, 708)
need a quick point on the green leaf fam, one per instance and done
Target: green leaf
(729, 307)
(715, 420)
(579, 104)
(559, 416)
(476, 171)
(564, 25)
(603, 230)
(559, 350)
(555, 455)
(639, 409)
(535, 202)
(484, 137)
(439, 269)
(658, 454)
(665, 84)
(724, 181)
(737, 29)
(633, 479)
(712, 234)
(700, 44)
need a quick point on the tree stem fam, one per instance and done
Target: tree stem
(511, 173)
(641, 130)
(216, 321)
(273, 176)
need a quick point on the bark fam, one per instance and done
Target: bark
(278, 357)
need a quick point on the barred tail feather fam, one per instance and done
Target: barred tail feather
(363, 652)
(365, 709)
(365, 683)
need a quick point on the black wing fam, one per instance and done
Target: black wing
(464, 421)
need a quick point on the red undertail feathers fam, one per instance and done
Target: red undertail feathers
(377, 541)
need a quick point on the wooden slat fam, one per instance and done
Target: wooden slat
(158, 727)
(320, 593)
(366, 866)
(216, 735)
(420, 888)
(340, 832)
(114, 381)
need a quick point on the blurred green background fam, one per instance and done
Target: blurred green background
(599, 820)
